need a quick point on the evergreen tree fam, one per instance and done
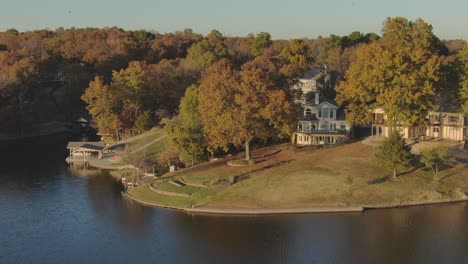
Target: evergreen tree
(394, 153)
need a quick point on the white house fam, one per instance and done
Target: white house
(323, 123)
(442, 125)
(309, 83)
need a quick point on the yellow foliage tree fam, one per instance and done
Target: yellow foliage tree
(239, 106)
(397, 73)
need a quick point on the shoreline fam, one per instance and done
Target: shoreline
(286, 211)
(47, 131)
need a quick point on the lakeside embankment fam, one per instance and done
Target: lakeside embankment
(277, 211)
(286, 178)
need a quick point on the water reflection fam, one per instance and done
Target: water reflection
(104, 196)
(62, 214)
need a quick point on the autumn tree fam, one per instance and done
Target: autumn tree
(435, 158)
(393, 153)
(239, 49)
(239, 106)
(398, 73)
(101, 105)
(295, 59)
(172, 45)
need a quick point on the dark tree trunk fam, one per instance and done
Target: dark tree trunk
(247, 151)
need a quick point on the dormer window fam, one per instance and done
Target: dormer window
(308, 112)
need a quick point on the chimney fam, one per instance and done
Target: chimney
(317, 98)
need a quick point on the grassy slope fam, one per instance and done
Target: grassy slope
(154, 148)
(340, 175)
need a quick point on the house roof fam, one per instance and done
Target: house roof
(311, 74)
(321, 101)
(81, 120)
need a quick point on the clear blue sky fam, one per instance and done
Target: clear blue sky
(283, 19)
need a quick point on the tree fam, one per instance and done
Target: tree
(463, 57)
(101, 105)
(186, 131)
(237, 107)
(168, 155)
(209, 50)
(261, 41)
(435, 158)
(393, 153)
(295, 59)
(143, 122)
(397, 73)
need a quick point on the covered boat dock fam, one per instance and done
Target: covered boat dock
(82, 151)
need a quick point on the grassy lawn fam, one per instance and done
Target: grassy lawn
(153, 149)
(145, 194)
(287, 176)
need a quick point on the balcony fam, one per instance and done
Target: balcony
(378, 122)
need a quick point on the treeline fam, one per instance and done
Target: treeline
(30, 60)
(239, 90)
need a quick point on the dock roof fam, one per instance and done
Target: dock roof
(87, 145)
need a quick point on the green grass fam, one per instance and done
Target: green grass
(342, 175)
(166, 186)
(145, 194)
(152, 150)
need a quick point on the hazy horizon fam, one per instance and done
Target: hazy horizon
(283, 20)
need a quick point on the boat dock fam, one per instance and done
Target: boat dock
(83, 151)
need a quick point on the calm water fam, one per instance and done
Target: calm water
(52, 214)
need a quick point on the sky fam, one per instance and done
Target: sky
(285, 19)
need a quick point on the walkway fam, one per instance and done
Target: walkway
(372, 141)
(267, 211)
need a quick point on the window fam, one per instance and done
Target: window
(435, 129)
(308, 111)
(453, 119)
(331, 113)
(343, 126)
(434, 118)
(320, 113)
(332, 126)
(325, 113)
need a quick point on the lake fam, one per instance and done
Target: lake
(52, 213)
